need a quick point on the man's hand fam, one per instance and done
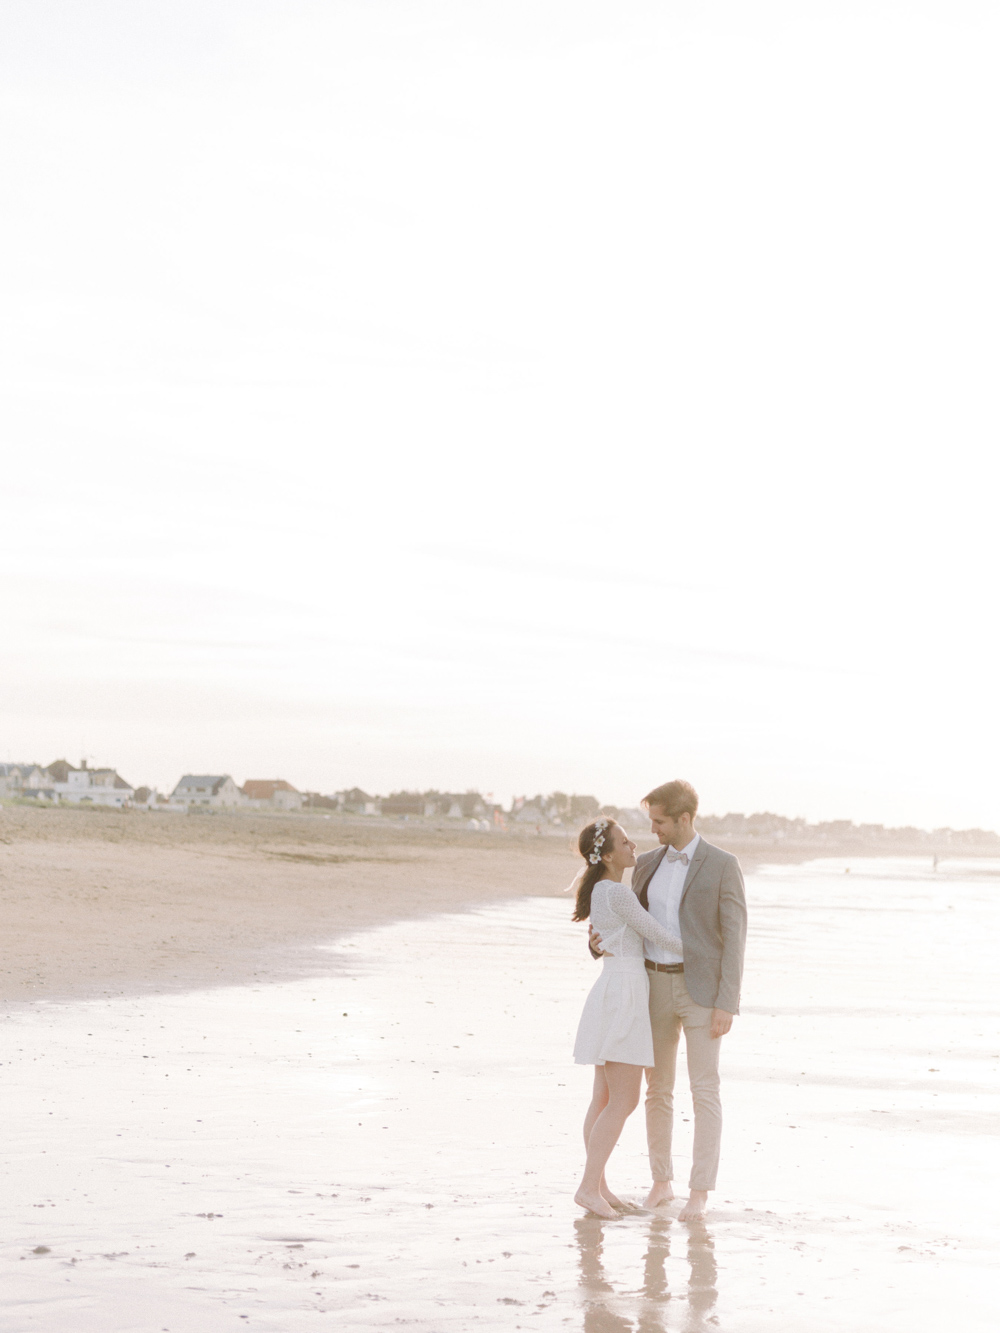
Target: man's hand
(595, 944)
(721, 1023)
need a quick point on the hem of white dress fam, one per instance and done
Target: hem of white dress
(613, 1062)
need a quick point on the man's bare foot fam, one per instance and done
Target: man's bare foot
(695, 1206)
(661, 1193)
(595, 1203)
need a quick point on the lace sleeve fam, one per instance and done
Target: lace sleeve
(628, 907)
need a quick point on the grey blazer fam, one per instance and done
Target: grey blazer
(713, 916)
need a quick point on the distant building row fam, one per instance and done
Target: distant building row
(765, 827)
(60, 782)
(557, 809)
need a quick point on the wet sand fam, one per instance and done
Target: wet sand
(393, 1140)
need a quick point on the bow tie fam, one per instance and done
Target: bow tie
(676, 856)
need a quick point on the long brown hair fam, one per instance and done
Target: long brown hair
(591, 874)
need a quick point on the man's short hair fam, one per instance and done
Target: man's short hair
(674, 798)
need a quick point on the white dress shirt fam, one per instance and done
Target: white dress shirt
(665, 891)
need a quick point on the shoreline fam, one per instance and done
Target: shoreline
(100, 904)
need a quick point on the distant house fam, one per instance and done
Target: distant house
(273, 792)
(207, 791)
(16, 779)
(88, 786)
(357, 802)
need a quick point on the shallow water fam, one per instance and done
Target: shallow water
(397, 1145)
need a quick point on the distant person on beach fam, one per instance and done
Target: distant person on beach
(695, 891)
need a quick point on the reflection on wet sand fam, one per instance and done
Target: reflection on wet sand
(396, 1143)
(658, 1306)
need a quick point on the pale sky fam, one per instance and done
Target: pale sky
(511, 395)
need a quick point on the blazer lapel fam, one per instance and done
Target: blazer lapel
(701, 851)
(647, 873)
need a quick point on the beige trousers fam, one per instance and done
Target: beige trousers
(670, 1009)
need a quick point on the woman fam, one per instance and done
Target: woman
(614, 1034)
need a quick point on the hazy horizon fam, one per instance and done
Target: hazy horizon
(521, 397)
(492, 797)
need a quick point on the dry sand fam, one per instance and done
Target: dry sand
(109, 903)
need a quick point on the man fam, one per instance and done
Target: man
(696, 891)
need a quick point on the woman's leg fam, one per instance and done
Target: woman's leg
(597, 1104)
(623, 1084)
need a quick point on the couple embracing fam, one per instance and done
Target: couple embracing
(672, 948)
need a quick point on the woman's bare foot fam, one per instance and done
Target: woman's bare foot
(595, 1203)
(695, 1206)
(613, 1199)
(662, 1192)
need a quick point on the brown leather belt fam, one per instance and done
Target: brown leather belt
(664, 967)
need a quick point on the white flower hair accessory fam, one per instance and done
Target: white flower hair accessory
(595, 856)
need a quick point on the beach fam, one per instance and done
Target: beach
(103, 902)
(354, 1106)
(100, 902)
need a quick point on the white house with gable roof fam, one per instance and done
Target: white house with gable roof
(207, 792)
(88, 786)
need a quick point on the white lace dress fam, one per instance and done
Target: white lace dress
(614, 1024)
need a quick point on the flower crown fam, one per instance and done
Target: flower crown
(595, 856)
